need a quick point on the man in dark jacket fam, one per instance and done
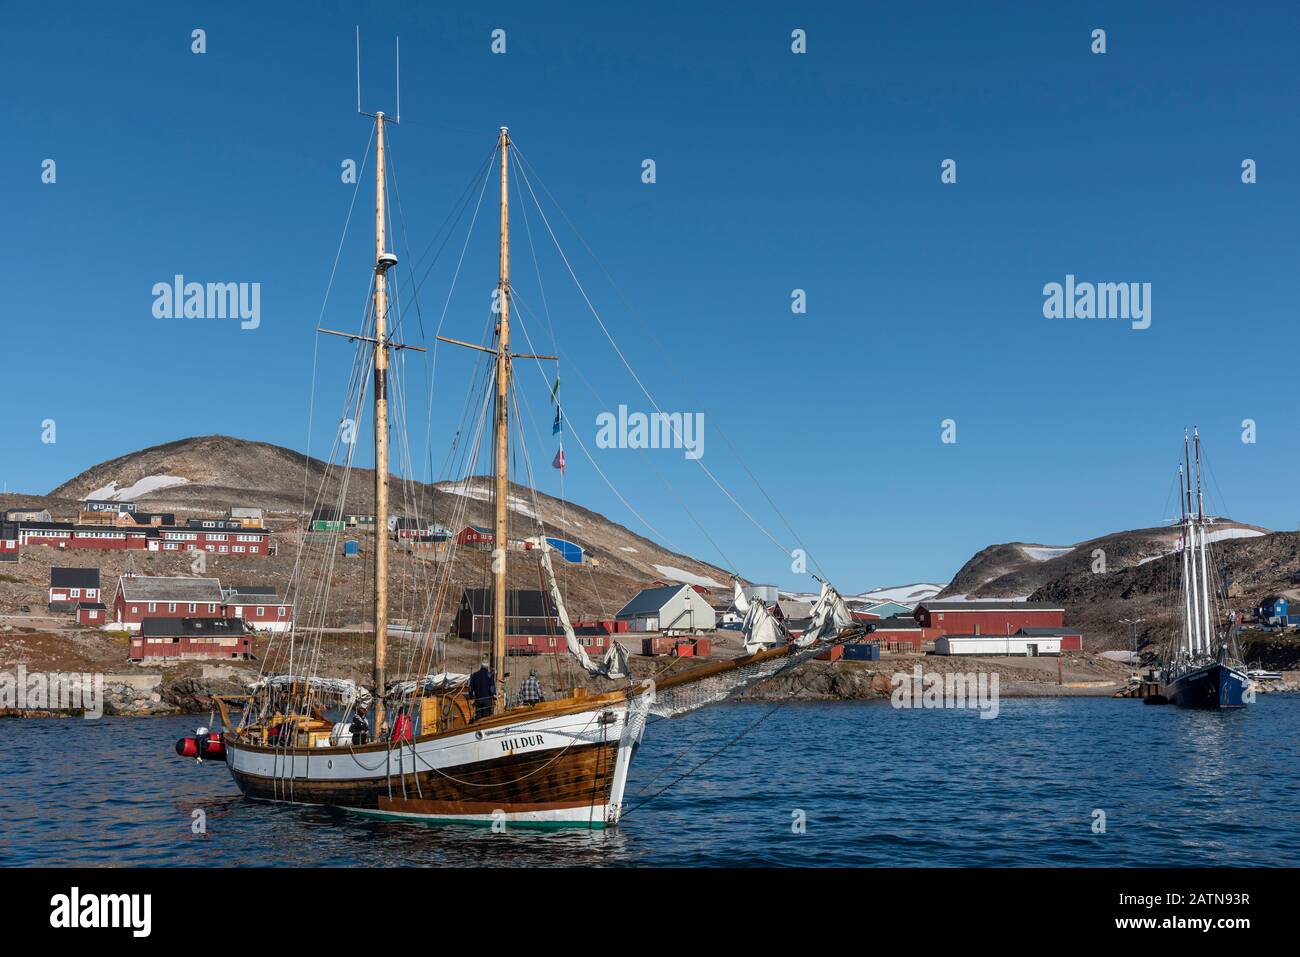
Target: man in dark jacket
(482, 690)
(360, 727)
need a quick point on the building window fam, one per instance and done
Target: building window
(193, 606)
(281, 611)
(153, 606)
(75, 593)
(260, 611)
(171, 606)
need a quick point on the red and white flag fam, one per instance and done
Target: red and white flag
(558, 461)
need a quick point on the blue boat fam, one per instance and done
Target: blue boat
(1202, 670)
(1220, 683)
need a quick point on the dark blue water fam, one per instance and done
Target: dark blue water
(876, 786)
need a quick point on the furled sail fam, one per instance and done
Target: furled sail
(344, 691)
(830, 615)
(740, 602)
(760, 629)
(614, 663)
(440, 682)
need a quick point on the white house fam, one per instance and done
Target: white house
(669, 609)
(1016, 646)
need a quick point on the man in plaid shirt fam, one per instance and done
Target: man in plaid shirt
(530, 692)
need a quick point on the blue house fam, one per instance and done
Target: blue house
(569, 551)
(1272, 610)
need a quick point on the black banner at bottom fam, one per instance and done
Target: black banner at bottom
(237, 906)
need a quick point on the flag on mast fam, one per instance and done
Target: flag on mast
(555, 428)
(555, 391)
(558, 461)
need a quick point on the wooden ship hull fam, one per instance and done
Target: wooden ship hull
(559, 763)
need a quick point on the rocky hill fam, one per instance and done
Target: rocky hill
(210, 473)
(1254, 566)
(1017, 569)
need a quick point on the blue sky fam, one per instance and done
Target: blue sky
(775, 171)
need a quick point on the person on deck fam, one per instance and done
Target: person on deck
(482, 690)
(360, 727)
(530, 692)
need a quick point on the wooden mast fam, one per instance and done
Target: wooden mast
(383, 260)
(501, 469)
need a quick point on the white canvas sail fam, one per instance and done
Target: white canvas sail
(830, 614)
(760, 629)
(740, 602)
(614, 663)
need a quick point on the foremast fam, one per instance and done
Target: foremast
(501, 433)
(383, 260)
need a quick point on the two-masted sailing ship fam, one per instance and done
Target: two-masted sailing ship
(431, 752)
(1202, 668)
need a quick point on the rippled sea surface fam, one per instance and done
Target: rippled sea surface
(872, 786)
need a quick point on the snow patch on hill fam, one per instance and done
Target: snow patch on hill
(1222, 535)
(678, 575)
(903, 594)
(150, 483)
(1042, 553)
(481, 493)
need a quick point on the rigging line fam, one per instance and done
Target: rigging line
(668, 361)
(632, 372)
(431, 368)
(338, 252)
(442, 318)
(673, 783)
(459, 211)
(647, 457)
(555, 348)
(326, 472)
(599, 471)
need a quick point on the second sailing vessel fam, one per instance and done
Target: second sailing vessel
(1203, 669)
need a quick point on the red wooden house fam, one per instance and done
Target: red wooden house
(529, 613)
(70, 586)
(68, 535)
(535, 640)
(986, 617)
(162, 638)
(140, 597)
(93, 613)
(215, 537)
(899, 633)
(259, 607)
(475, 535)
(9, 544)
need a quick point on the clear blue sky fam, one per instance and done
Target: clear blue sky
(775, 171)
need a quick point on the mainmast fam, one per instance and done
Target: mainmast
(383, 260)
(1205, 547)
(1189, 549)
(501, 470)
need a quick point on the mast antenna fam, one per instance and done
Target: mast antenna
(396, 118)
